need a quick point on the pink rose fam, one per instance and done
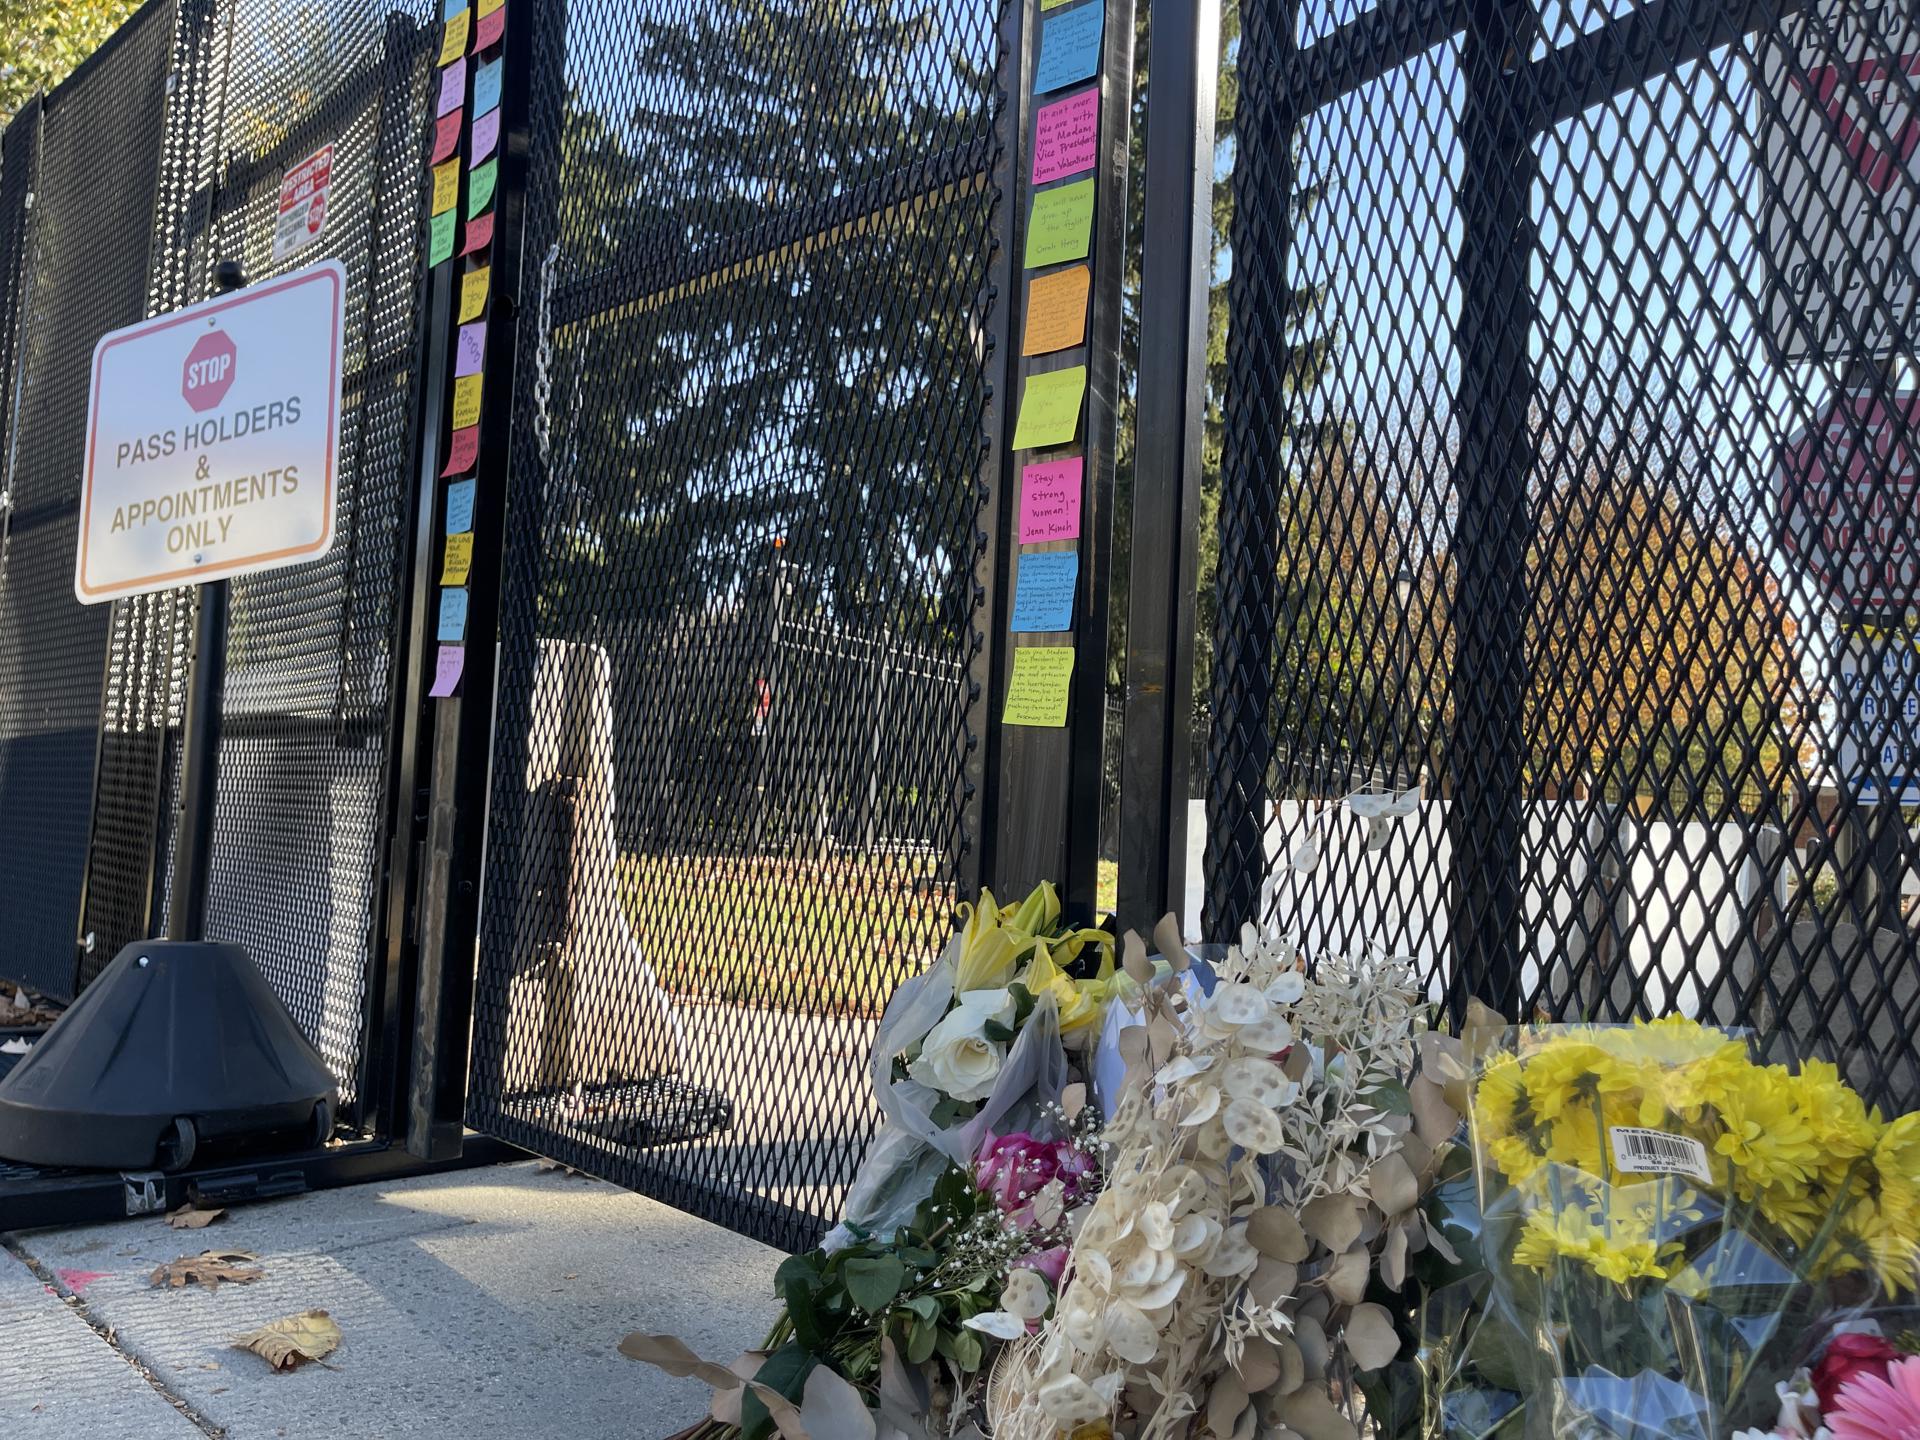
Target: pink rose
(1012, 1169)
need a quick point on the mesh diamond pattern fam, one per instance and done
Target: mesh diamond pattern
(739, 596)
(1568, 476)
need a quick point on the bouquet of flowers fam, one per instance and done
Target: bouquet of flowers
(1677, 1242)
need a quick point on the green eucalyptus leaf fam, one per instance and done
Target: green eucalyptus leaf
(785, 1371)
(874, 1282)
(920, 1342)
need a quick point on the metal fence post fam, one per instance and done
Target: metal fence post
(1485, 753)
(1170, 421)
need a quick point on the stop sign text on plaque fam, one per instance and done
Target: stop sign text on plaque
(212, 439)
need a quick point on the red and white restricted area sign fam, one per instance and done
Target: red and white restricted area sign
(1849, 491)
(212, 439)
(302, 217)
(1842, 161)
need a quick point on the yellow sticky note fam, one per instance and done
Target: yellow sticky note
(455, 43)
(1057, 310)
(487, 7)
(1050, 408)
(459, 559)
(473, 293)
(1037, 690)
(446, 185)
(466, 400)
(1061, 224)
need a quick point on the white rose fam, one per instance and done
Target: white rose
(957, 1058)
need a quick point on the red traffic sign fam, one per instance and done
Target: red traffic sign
(207, 373)
(1849, 493)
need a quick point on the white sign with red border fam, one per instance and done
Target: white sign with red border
(213, 435)
(302, 217)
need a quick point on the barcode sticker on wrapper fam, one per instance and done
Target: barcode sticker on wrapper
(1658, 1152)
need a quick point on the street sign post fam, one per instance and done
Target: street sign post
(1849, 502)
(212, 439)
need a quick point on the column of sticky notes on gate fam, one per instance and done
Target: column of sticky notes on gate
(467, 110)
(1059, 284)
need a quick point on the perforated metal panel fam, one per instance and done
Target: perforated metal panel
(1531, 309)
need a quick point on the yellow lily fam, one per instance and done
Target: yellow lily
(1081, 1003)
(993, 938)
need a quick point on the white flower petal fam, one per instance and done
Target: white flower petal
(1237, 1003)
(1130, 1335)
(997, 1323)
(1269, 1036)
(1156, 1226)
(1203, 1103)
(1025, 1295)
(1253, 1126)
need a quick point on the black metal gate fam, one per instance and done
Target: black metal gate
(1568, 481)
(757, 315)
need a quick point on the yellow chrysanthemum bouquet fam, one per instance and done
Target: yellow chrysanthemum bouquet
(1665, 1222)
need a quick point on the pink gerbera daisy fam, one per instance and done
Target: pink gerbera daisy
(1870, 1408)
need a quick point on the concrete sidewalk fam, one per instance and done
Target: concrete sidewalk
(476, 1305)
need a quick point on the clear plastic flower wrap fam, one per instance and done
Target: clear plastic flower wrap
(1663, 1222)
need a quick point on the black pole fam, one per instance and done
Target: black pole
(200, 741)
(1176, 270)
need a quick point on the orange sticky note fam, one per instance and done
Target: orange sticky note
(1057, 310)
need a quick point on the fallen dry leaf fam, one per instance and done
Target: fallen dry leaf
(289, 1343)
(211, 1268)
(188, 1217)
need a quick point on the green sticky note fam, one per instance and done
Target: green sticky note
(440, 247)
(480, 187)
(1050, 408)
(1037, 689)
(1061, 224)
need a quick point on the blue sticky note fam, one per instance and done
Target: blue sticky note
(453, 615)
(486, 86)
(1043, 591)
(452, 8)
(460, 506)
(1069, 46)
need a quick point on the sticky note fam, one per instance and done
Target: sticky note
(453, 43)
(452, 8)
(1037, 689)
(486, 135)
(447, 666)
(1050, 408)
(1066, 137)
(487, 33)
(463, 448)
(453, 87)
(1050, 500)
(460, 506)
(1061, 224)
(446, 134)
(1069, 47)
(470, 349)
(459, 559)
(473, 293)
(480, 186)
(479, 233)
(1057, 310)
(453, 614)
(446, 185)
(440, 242)
(487, 7)
(1043, 591)
(466, 400)
(486, 87)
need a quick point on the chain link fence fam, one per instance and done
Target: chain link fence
(739, 584)
(1569, 480)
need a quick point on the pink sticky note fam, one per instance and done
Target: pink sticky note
(472, 349)
(462, 450)
(479, 233)
(1066, 136)
(486, 134)
(447, 666)
(453, 86)
(446, 134)
(489, 30)
(1050, 501)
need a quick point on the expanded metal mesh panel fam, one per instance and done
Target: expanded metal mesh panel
(81, 169)
(1569, 477)
(739, 599)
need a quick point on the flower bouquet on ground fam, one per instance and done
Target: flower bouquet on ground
(1678, 1244)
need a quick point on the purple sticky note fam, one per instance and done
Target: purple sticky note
(486, 134)
(447, 666)
(1066, 136)
(1050, 501)
(453, 87)
(472, 351)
